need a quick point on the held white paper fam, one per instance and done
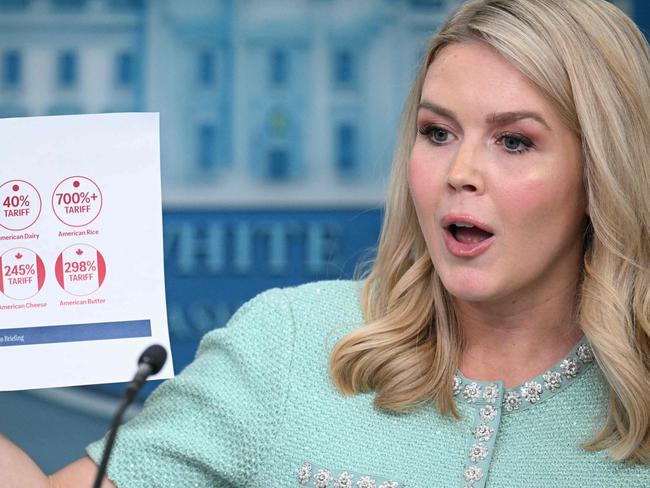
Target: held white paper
(82, 289)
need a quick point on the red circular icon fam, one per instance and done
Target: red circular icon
(22, 273)
(77, 201)
(20, 203)
(80, 269)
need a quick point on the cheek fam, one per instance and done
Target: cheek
(549, 196)
(542, 208)
(525, 200)
(424, 181)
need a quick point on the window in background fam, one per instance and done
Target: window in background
(117, 108)
(206, 68)
(344, 68)
(12, 69)
(207, 147)
(124, 69)
(65, 109)
(432, 4)
(12, 110)
(67, 69)
(69, 5)
(8, 5)
(279, 68)
(126, 4)
(278, 164)
(346, 149)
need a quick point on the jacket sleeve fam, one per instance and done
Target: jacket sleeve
(211, 425)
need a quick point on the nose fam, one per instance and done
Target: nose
(464, 171)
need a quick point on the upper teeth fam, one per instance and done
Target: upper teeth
(463, 224)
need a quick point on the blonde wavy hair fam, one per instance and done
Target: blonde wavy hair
(593, 64)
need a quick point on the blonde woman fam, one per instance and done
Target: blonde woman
(500, 338)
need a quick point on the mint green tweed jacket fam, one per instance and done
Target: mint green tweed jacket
(257, 409)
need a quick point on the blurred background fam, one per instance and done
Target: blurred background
(278, 120)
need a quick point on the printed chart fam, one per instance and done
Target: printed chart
(80, 269)
(71, 292)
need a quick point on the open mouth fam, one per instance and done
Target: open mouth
(467, 233)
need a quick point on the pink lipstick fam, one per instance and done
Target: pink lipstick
(466, 236)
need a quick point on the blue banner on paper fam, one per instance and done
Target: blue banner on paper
(51, 334)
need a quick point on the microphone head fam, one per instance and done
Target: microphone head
(155, 356)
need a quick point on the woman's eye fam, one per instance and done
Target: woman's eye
(512, 142)
(435, 134)
(515, 143)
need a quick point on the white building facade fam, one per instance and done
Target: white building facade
(282, 102)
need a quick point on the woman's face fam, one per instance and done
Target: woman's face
(496, 180)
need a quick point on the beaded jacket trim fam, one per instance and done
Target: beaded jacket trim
(311, 475)
(531, 392)
(491, 400)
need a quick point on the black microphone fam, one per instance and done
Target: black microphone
(151, 362)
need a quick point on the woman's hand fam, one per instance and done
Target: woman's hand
(17, 470)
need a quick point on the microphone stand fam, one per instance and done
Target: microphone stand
(150, 362)
(115, 424)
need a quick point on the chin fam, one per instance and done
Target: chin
(471, 285)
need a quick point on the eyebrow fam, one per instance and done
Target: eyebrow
(498, 119)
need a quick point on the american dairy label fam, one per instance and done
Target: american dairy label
(81, 255)
(20, 204)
